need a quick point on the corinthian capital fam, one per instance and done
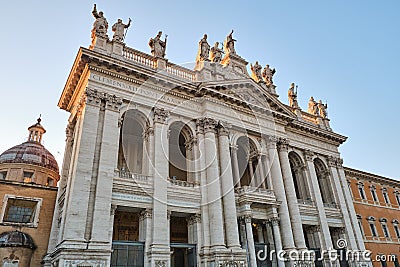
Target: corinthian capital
(209, 125)
(223, 129)
(247, 218)
(331, 161)
(93, 97)
(339, 163)
(160, 115)
(271, 141)
(283, 144)
(113, 102)
(308, 154)
(274, 221)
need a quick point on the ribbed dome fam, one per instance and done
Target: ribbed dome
(30, 152)
(16, 239)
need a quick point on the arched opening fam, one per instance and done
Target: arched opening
(247, 155)
(324, 182)
(299, 177)
(131, 142)
(180, 152)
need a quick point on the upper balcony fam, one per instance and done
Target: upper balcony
(255, 195)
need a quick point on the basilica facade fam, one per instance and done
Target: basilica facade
(172, 166)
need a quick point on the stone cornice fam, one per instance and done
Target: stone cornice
(353, 173)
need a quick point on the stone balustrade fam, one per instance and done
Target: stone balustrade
(139, 57)
(180, 72)
(182, 183)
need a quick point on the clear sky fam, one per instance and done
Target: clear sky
(343, 52)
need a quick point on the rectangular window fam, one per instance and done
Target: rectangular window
(385, 230)
(3, 175)
(362, 193)
(50, 182)
(373, 230)
(20, 211)
(28, 177)
(396, 230)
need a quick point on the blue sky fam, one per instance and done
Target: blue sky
(343, 52)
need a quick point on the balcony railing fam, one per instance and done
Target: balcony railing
(180, 72)
(250, 189)
(331, 205)
(129, 175)
(139, 57)
(307, 202)
(177, 182)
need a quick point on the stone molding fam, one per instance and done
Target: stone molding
(331, 161)
(160, 263)
(196, 218)
(160, 115)
(94, 97)
(272, 141)
(308, 155)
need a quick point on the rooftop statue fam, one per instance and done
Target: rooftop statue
(256, 72)
(322, 109)
(292, 95)
(204, 49)
(216, 53)
(229, 44)
(312, 106)
(267, 74)
(118, 29)
(157, 45)
(100, 25)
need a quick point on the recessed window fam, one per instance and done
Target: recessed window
(21, 210)
(385, 230)
(50, 181)
(373, 193)
(373, 229)
(385, 196)
(361, 191)
(28, 177)
(3, 175)
(396, 230)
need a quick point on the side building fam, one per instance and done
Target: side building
(28, 189)
(377, 204)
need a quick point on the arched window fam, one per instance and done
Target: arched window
(299, 178)
(180, 152)
(324, 182)
(131, 144)
(248, 162)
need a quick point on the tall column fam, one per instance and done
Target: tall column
(261, 173)
(200, 169)
(279, 189)
(228, 194)
(194, 225)
(267, 173)
(277, 237)
(146, 223)
(159, 249)
(107, 164)
(250, 241)
(291, 194)
(213, 185)
(150, 152)
(342, 203)
(326, 241)
(252, 176)
(235, 165)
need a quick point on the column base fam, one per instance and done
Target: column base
(226, 257)
(159, 255)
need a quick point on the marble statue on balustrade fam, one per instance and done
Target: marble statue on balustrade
(229, 44)
(100, 25)
(216, 53)
(204, 49)
(322, 109)
(158, 46)
(312, 107)
(267, 74)
(119, 30)
(256, 72)
(292, 95)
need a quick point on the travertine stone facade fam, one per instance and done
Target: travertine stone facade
(163, 161)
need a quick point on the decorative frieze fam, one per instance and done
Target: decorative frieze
(160, 115)
(161, 263)
(93, 97)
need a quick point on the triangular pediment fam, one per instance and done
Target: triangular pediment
(252, 93)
